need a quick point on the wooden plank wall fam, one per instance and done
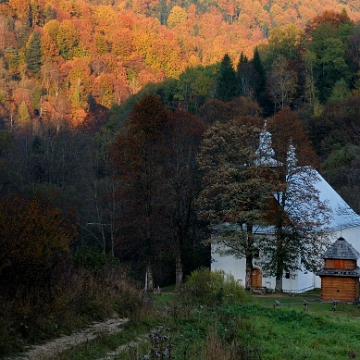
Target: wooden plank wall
(348, 264)
(339, 288)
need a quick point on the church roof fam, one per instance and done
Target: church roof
(341, 249)
(342, 216)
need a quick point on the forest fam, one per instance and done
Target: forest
(104, 107)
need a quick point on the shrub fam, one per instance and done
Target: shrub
(80, 297)
(214, 287)
(92, 259)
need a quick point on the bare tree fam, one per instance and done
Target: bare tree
(298, 215)
(282, 82)
(50, 77)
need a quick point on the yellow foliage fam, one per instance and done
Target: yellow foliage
(20, 8)
(52, 28)
(177, 16)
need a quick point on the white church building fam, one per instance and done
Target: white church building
(343, 222)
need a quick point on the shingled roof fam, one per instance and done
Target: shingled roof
(341, 249)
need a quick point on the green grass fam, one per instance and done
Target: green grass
(253, 329)
(284, 332)
(295, 334)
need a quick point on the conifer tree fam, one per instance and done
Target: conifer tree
(243, 59)
(33, 53)
(257, 63)
(49, 14)
(246, 76)
(227, 87)
(260, 81)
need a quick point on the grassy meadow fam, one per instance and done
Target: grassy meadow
(209, 325)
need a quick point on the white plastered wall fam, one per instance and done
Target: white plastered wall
(299, 281)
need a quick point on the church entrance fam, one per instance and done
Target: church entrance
(256, 278)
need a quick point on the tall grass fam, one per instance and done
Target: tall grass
(224, 323)
(80, 297)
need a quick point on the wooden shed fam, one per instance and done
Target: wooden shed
(340, 275)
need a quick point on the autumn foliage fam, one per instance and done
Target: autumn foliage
(106, 104)
(154, 158)
(72, 50)
(36, 240)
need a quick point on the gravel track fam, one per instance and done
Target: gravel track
(65, 342)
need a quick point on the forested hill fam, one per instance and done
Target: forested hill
(59, 57)
(73, 188)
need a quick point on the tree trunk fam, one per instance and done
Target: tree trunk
(178, 265)
(279, 267)
(179, 272)
(278, 285)
(149, 278)
(249, 270)
(279, 260)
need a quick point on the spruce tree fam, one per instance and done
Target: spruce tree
(49, 14)
(243, 59)
(33, 53)
(227, 86)
(246, 76)
(260, 83)
(261, 78)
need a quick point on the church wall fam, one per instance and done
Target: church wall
(302, 281)
(230, 265)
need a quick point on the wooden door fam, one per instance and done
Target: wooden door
(256, 278)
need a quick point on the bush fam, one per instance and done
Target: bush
(80, 297)
(92, 259)
(215, 287)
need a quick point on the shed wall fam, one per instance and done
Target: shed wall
(347, 264)
(339, 288)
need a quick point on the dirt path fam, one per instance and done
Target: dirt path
(122, 348)
(57, 346)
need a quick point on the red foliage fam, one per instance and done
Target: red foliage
(332, 17)
(286, 128)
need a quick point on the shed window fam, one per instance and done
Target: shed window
(339, 263)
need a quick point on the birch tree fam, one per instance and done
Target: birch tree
(298, 215)
(282, 83)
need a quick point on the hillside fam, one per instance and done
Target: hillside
(58, 57)
(103, 111)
